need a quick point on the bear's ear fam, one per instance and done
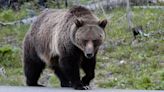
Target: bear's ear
(102, 23)
(79, 23)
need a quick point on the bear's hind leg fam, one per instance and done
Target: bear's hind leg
(33, 67)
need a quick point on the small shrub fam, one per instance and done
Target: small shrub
(10, 56)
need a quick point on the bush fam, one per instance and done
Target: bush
(10, 56)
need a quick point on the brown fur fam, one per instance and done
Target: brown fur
(51, 23)
(54, 36)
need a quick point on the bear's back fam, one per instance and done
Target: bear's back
(47, 20)
(51, 18)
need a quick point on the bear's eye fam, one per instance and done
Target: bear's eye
(96, 42)
(85, 41)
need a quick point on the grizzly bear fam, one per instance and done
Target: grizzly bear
(65, 40)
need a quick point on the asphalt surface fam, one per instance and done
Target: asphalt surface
(47, 89)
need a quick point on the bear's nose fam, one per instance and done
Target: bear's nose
(89, 55)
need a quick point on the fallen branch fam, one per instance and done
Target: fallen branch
(5, 24)
(150, 7)
(19, 22)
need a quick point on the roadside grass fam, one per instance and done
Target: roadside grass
(131, 65)
(123, 64)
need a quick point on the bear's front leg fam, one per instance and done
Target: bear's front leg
(88, 66)
(70, 67)
(64, 82)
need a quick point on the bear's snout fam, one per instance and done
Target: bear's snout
(89, 50)
(89, 55)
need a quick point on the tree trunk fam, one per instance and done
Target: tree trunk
(129, 15)
(58, 3)
(66, 3)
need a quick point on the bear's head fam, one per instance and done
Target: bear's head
(88, 36)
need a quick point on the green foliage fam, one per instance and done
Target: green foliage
(10, 48)
(54, 81)
(143, 64)
(13, 76)
(10, 15)
(9, 56)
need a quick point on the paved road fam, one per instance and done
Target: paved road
(46, 89)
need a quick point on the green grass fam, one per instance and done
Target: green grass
(143, 61)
